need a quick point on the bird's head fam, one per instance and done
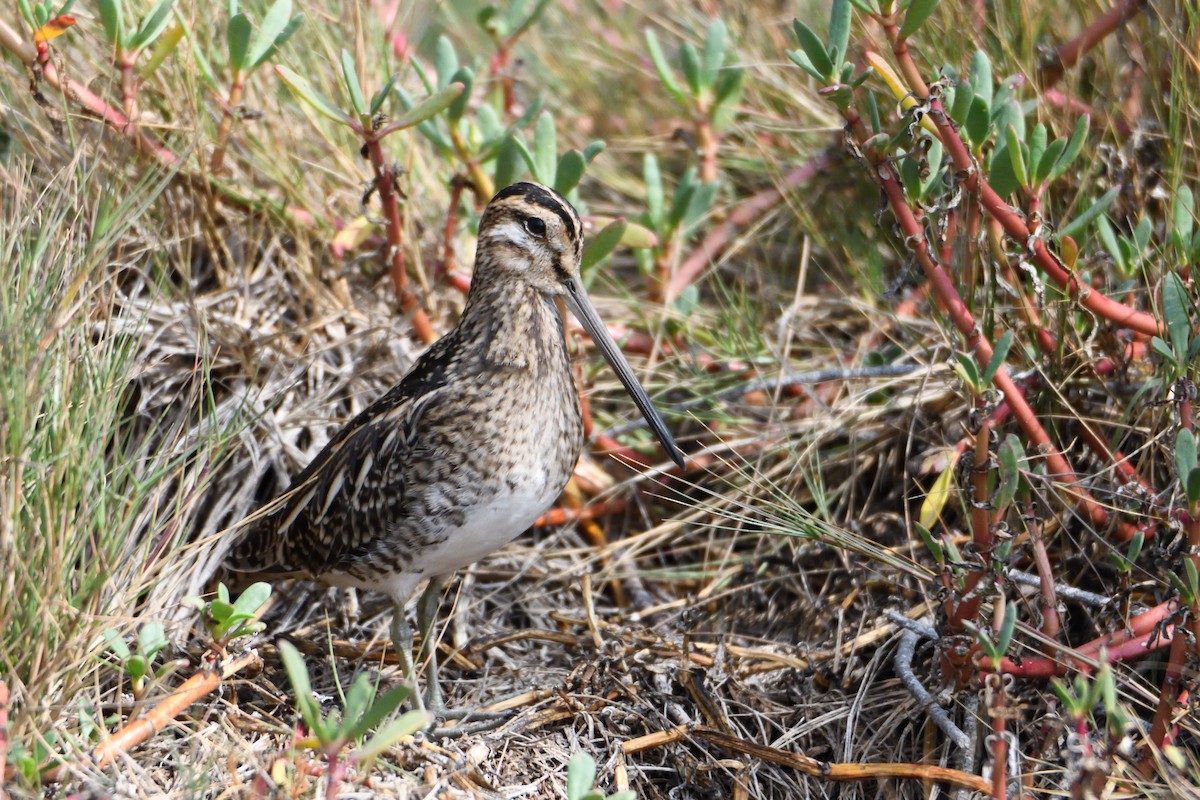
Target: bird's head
(531, 234)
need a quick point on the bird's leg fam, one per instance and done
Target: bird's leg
(427, 608)
(472, 721)
(402, 640)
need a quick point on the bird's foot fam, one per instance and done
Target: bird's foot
(469, 721)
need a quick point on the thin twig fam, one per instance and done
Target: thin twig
(902, 663)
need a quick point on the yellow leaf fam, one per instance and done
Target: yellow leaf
(348, 239)
(935, 501)
(898, 88)
(55, 27)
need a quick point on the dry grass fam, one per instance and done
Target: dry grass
(177, 361)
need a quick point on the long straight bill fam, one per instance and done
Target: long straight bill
(585, 312)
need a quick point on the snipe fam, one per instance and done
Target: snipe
(472, 445)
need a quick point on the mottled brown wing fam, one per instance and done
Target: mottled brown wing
(344, 498)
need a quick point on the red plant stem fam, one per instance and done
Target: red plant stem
(1060, 469)
(1092, 299)
(125, 62)
(499, 68)
(965, 610)
(998, 714)
(708, 141)
(386, 188)
(745, 214)
(1139, 638)
(1068, 54)
(448, 255)
(1048, 668)
(11, 41)
(1055, 97)
(231, 104)
(1160, 728)
(562, 516)
(1051, 624)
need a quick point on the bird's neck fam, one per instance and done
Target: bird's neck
(522, 327)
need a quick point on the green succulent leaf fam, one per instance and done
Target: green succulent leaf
(445, 61)
(1185, 453)
(655, 196)
(1037, 147)
(117, 644)
(353, 88)
(380, 709)
(386, 737)
(981, 77)
(458, 108)
(999, 353)
(378, 99)
(979, 121)
(278, 24)
(960, 104)
(715, 41)
(665, 74)
(306, 704)
(1009, 455)
(1089, 215)
(1073, 149)
(914, 18)
(1175, 314)
(689, 62)
(545, 149)
(1016, 154)
(814, 50)
(510, 163)
(151, 639)
(581, 774)
(601, 244)
(1183, 217)
(237, 34)
(569, 171)
(839, 32)
(153, 24)
(1044, 169)
(305, 91)
(252, 598)
(112, 15)
(166, 45)
(1191, 487)
(427, 109)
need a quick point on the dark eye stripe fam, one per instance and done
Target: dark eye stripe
(550, 201)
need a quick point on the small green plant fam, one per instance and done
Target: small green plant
(504, 25)
(368, 122)
(248, 50)
(671, 225)
(581, 778)
(226, 620)
(363, 711)
(1182, 348)
(710, 91)
(130, 42)
(479, 141)
(995, 648)
(138, 663)
(1080, 698)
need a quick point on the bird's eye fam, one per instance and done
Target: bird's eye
(535, 226)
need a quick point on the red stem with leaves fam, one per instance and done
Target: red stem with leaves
(231, 104)
(385, 187)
